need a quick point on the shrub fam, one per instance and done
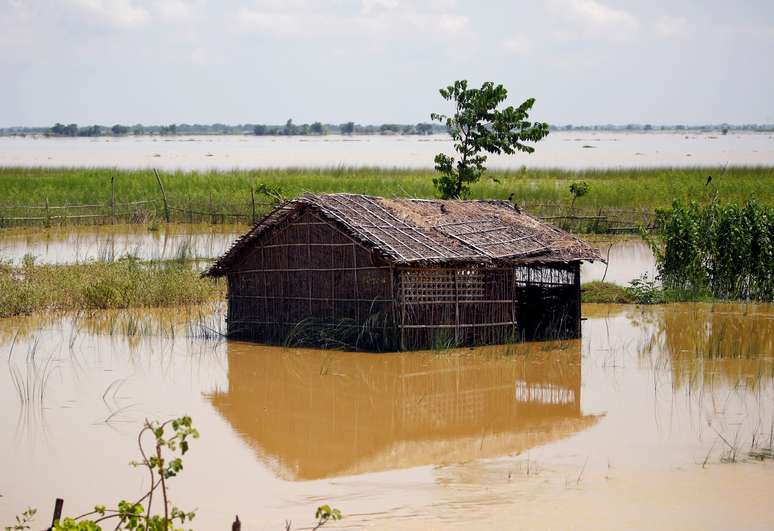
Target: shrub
(644, 290)
(725, 251)
(605, 292)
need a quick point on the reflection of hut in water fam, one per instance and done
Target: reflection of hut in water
(314, 415)
(382, 273)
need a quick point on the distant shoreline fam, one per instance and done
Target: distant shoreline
(320, 129)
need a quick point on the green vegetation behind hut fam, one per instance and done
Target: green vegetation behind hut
(230, 191)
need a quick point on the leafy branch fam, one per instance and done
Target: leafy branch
(163, 461)
(161, 446)
(477, 126)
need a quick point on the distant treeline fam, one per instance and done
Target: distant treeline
(289, 128)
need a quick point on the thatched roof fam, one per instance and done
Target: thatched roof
(429, 232)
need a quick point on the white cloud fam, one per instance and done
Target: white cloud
(377, 21)
(590, 19)
(268, 22)
(371, 6)
(668, 26)
(116, 13)
(453, 24)
(517, 45)
(175, 9)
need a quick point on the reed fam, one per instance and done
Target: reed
(126, 283)
(31, 381)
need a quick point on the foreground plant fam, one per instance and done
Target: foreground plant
(325, 514)
(163, 461)
(22, 521)
(161, 456)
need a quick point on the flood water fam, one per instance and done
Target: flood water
(68, 245)
(561, 149)
(628, 258)
(624, 428)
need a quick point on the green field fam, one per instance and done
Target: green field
(624, 188)
(621, 200)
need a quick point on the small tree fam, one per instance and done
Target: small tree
(119, 130)
(578, 189)
(477, 126)
(290, 128)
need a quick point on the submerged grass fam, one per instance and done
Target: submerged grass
(605, 293)
(125, 283)
(625, 188)
(638, 292)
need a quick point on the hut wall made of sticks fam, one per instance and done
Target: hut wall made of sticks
(309, 282)
(481, 306)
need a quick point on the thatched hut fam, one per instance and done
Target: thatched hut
(386, 274)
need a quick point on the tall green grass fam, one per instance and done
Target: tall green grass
(125, 283)
(624, 188)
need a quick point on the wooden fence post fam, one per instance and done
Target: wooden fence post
(113, 198)
(212, 212)
(252, 197)
(48, 214)
(163, 195)
(58, 505)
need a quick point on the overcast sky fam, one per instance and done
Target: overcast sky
(374, 61)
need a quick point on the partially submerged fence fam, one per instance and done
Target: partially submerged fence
(248, 210)
(144, 210)
(605, 220)
(129, 212)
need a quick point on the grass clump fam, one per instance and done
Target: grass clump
(126, 283)
(605, 293)
(642, 290)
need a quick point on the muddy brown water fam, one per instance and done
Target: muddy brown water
(67, 245)
(625, 428)
(628, 257)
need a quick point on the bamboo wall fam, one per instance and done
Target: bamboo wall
(309, 283)
(480, 306)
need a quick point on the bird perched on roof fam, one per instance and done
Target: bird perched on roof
(709, 180)
(510, 200)
(443, 209)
